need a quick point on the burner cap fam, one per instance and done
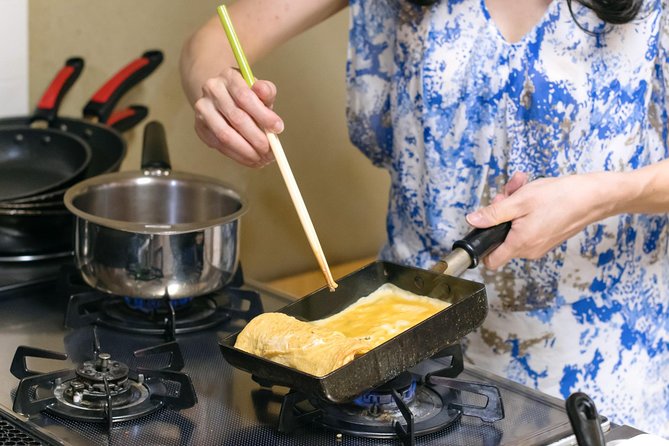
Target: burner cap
(102, 368)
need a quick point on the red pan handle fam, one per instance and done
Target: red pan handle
(100, 107)
(47, 108)
(127, 118)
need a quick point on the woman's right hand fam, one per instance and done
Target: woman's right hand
(232, 118)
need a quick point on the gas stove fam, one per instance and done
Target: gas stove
(101, 389)
(92, 366)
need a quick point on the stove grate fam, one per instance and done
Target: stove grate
(102, 389)
(161, 317)
(406, 407)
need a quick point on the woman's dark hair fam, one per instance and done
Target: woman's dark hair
(614, 12)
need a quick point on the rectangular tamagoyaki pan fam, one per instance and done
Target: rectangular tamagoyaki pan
(466, 312)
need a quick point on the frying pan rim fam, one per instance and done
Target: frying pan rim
(88, 155)
(62, 123)
(32, 212)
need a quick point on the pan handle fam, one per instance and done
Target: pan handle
(480, 242)
(47, 107)
(155, 156)
(584, 420)
(126, 119)
(100, 107)
(467, 252)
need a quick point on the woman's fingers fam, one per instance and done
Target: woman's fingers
(499, 211)
(232, 118)
(247, 99)
(498, 198)
(499, 256)
(238, 118)
(266, 91)
(218, 134)
(518, 180)
(544, 213)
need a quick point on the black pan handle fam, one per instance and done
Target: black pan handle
(480, 242)
(584, 420)
(154, 150)
(126, 119)
(105, 99)
(47, 107)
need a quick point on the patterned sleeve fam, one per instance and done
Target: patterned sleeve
(660, 114)
(369, 70)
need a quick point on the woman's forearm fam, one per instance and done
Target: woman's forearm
(203, 56)
(262, 25)
(642, 191)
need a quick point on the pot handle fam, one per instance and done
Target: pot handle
(154, 150)
(101, 105)
(48, 106)
(124, 120)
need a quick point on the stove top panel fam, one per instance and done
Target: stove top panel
(232, 409)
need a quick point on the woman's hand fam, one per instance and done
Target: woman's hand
(544, 213)
(232, 118)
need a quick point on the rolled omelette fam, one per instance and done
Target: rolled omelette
(297, 344)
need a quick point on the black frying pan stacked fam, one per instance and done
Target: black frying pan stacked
(43, 154)
(35, 159)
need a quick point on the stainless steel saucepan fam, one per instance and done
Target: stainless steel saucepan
(156, 233)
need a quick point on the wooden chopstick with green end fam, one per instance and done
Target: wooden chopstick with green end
(279, 154)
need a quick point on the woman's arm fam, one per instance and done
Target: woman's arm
(548, 211)
(229, 115)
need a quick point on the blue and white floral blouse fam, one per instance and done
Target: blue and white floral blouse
(452, 110)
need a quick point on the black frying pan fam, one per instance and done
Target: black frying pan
(34, 161)
(121, 121)
(468, 309)
(107, 145)
(28, 235)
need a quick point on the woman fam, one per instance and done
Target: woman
(465, 102)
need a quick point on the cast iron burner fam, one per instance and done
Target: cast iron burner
(408, 406)
(167, 317)
(101, 389)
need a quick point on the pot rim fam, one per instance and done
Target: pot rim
(156, 229)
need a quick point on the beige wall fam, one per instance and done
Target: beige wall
(345, 195)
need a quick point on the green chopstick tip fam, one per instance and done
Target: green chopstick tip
(236, 46)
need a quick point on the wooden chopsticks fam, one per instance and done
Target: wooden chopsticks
(279, 154)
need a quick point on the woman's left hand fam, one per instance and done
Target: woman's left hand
(544, 213)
